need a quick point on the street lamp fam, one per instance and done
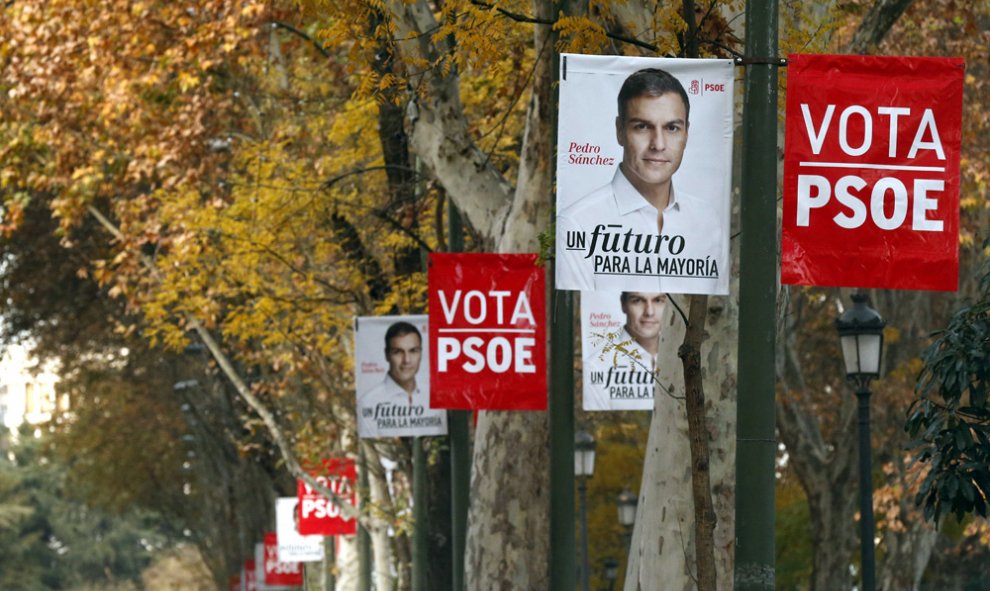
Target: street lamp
(611, 567)
(861, 336)
(626, 503)
(584, 467)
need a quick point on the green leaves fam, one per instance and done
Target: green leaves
(949, 422)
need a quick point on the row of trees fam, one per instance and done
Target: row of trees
(48, 532)
(258, 173)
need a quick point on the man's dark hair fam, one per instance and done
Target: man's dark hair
(401, 328)
(651, 82)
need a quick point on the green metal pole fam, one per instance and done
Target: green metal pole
(458, 429)
(563, 573)
(420, 517)
(364, 538)
(563, 544)
(756, 443)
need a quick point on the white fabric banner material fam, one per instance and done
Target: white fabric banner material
(393, 378)
(643, 195)
(292, 546)
(620, 334)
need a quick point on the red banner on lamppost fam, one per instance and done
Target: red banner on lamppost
(487, 332)
(250, 575)
(871, 172)
(319, 515)
(278, 573)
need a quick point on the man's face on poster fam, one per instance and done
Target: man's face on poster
(404, 353)
(653, 136)
(643, 312)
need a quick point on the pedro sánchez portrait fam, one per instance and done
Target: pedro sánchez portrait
(620, 334)
(652, 225)
(393, 397)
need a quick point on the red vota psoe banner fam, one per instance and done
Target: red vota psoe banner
(250, 576)
(280, 574)
(321, 516)
(871, 172)
(487, 332)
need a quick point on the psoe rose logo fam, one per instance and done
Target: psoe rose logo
(695, 87)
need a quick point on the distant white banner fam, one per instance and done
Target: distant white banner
(620, 334)
(293, 547)
(392, 378)
(625, 220)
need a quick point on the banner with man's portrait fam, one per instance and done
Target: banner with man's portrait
(644, 164)
(620, 336)
(392, 378)
(293, 546)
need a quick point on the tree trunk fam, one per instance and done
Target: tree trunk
(662, 548)
(701, 490)
(347, 564)
(507, 542)
(906, 554)
(508, 517)
(381, 546)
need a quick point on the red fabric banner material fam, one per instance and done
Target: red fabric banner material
(487, 332)
(321, 516)
(280, 574)
(871, 172)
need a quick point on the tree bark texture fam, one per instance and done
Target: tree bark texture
(381, 547)
(662, 553)
(701, 490)
(346, 564)
(507, 540)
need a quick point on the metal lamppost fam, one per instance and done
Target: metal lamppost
(861, 335)
(611, 568)
(584, 467)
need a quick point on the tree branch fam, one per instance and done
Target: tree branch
(243, 390)
(876, 24)
(319, 47)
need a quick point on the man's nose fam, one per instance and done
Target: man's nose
(657, 140)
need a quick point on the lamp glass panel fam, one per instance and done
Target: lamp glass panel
(627, 513)
(849, 354)
(869, 353)
(584, 462)
(589, 462)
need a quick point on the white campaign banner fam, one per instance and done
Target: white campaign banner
(392, 378)
(644, 164)
(620, 334)
(292, 546)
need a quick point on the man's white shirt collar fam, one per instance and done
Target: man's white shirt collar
(646, 358)
(629, 199)
(392, 386)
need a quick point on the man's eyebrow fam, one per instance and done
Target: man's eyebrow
(650, 122)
